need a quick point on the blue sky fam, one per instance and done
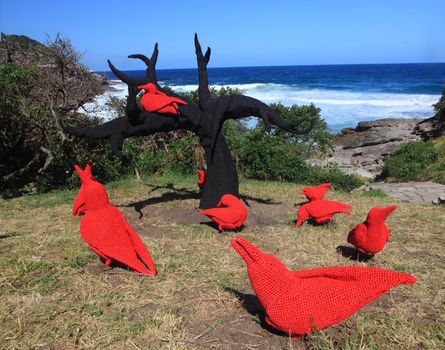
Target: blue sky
(240, 33)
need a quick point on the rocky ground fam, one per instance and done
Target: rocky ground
(412, 192)
(362, 150)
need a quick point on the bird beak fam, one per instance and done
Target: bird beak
(247, 250)
(387, 211)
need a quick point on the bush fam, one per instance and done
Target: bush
(408, 163)
(38, 94)
(271, 157)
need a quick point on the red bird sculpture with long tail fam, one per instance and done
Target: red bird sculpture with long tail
(300, 302)
(229, 214)
(321, 211)
(201, 178)
(370, 236)
(154, 100)
(316, 192)
(106, 230)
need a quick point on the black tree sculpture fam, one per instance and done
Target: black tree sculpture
(205, 121)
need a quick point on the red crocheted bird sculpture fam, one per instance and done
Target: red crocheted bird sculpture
(370, 236)
(229, 214)
(154, 100)
(106, 230)
(321, 211)
(316, 192)
(300, 302)
(201, 178)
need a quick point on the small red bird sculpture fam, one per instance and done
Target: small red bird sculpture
(154, 100)
(316, 192)
(300, 302)
(106, 230)
(229, 214)
(370, 237)
(201, 178)
(321, 211)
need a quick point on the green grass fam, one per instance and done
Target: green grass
(418, 161)
(57, 293)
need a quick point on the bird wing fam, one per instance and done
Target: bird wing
(104, 230)
(358, 235)
(225, 216)
(322, 297)
(325, 207)
(138, 245)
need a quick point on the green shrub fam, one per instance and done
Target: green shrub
(271, 157)
(409, 162)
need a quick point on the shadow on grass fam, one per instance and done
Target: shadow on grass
(181, 193)
(353, 254)
(312, 222)
(214, 225)
(246, 200)
(253, 306)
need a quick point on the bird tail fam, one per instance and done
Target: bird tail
(325, 185)
(147, 265)
(208, 212)
(302, 216)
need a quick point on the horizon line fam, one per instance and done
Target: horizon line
(285, 65)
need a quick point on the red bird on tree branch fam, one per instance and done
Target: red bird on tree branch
(205, 120)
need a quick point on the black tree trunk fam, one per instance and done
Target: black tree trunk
(204, 119)
(222, 177)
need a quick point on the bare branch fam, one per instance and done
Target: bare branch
(129, 80)
(205, 99)
(48, 160)
(23, 170)
(150, 63)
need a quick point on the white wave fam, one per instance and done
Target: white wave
(339, 108)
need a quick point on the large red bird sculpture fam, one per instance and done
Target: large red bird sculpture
(300, 302)
(321, 211)
(370, 236)
(316, 192)
(154, 100)
(229, 214)
(106, 230)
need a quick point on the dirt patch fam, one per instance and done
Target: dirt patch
(267, 214)
(260, 214)
(238, 325)
(161, 215)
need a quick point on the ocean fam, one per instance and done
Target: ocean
(346, 94)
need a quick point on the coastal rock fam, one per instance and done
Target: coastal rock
(412, 192)
(362, 150)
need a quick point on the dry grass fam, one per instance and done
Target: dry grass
(56, 294)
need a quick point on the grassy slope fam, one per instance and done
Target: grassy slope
(56, 294)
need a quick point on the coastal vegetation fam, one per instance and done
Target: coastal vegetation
(417, 161)
(421, 160)
(40, 96)
(41, 88)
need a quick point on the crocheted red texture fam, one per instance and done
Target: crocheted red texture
(321, 211)
(316, 192)
(154, 100)
(201, 178)
(106, 230)
(230, 213)
(300, 302)
(371, 235)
